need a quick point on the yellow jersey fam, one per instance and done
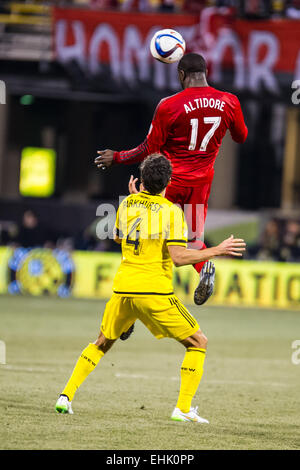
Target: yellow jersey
(147, 224)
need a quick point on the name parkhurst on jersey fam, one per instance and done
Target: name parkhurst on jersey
(145, 235)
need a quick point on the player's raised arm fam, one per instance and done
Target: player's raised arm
(182, 256)
(132, 185)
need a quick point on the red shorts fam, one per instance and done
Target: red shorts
(194, 202)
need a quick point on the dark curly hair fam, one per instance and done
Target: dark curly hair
(192, 63)
(156, 171)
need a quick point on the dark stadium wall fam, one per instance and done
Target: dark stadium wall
(78, 130)
(260, 161)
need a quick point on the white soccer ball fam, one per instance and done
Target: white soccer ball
(167, 46)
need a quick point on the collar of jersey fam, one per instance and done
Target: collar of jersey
(148, 194)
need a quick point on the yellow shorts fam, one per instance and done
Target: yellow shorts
(165, 316)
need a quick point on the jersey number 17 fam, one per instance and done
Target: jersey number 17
(214, 120)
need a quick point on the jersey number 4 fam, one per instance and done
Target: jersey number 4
(135, 242)
(214, 120)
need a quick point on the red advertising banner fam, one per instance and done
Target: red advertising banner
(246, 55)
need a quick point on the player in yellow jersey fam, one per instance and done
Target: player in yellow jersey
(153, 235)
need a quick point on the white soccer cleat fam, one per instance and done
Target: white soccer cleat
(191, 416)
(63, 405)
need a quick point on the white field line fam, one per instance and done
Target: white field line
(121, 375)
(23, 369)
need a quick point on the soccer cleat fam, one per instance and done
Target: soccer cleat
(191, 416)
(63, 405)
(206, 284)
(127, 333)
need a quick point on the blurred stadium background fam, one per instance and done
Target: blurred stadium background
(76, 77)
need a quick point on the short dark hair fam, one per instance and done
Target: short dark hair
(156, 171)
(192, 63)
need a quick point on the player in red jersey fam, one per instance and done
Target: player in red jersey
(188, 129)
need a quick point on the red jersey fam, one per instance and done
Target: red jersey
(188, 129)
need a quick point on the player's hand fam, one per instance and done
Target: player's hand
(232, 247)
(105, 158)
(132, 185)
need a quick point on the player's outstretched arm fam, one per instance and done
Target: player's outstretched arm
(109, 157)
(155, 139)
(182, 256)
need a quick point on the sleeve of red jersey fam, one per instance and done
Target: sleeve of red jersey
(155, 139)
(238, 128)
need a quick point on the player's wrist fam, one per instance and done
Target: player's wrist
(215, 251)
(116, 157)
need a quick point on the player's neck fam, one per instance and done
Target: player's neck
(191, 83)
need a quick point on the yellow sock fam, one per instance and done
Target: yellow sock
(191, 373)
(87, 362)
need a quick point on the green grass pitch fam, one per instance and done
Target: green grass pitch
(249, 391)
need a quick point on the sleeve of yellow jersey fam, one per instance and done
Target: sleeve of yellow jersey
(178, 232)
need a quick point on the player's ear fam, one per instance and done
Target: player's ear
(181, 75)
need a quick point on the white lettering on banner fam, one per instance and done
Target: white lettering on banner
(261, 72)
(75, 51)
(130, 60)
(134, 46)
(228, 39)
(104, 33)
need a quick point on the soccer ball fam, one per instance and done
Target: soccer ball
(167, 46)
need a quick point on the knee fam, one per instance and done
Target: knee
(198, 340)
(103, 343)
(201, 340)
